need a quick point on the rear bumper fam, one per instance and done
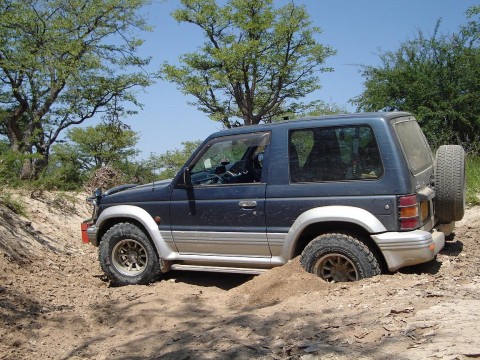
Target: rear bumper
(402, 249)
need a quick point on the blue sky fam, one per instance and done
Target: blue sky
(358, 29)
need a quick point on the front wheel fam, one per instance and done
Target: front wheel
(127, 256)
(339, 258)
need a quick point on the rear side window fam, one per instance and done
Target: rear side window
(415, 146)
(334, 154)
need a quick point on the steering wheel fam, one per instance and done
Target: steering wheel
(237, 168)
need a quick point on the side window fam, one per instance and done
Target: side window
(299, 147)
(236, 159)
(334, 154)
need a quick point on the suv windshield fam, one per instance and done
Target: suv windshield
(415, 147)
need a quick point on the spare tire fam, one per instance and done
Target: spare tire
(450, 183)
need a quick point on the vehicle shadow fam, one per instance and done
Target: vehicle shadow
(451, 249)
(224, 281)
(431, 267)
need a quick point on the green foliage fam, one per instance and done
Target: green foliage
(134, 172)
(473, 180)
(62, 62)
(10, 165)
(472, 29)
(169, 163)
(101, 145)
(64, 171)
(256, 62)
(9, 201)
(321, 108)
(86, 150)
(437, 79)
(56, 176)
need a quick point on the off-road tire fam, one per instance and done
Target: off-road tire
(127, 256)
(450, 183)
(339, 257)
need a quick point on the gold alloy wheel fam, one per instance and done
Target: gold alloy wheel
(129, 257)
(335, 268)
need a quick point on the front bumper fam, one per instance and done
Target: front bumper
(402, 249)
(89, 233)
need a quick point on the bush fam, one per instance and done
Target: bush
(7, 200)
(65, 178)
(473, 180)
(104, 178)
(10, 167)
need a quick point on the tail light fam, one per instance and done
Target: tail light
(409, 215)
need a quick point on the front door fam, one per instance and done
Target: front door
(223, 211)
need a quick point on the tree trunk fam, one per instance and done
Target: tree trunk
(27, 169)
(33, 165)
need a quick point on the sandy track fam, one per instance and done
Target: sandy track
(56, 304)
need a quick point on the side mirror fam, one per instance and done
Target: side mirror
(187, 178)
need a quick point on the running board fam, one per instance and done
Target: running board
(221, 269)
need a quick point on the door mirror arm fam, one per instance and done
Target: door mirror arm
(187, 178)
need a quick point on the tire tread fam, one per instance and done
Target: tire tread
(104, 255)
(336, 241)
(450, 183)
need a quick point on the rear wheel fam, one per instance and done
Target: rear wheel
(450, 183)
(339, 258)
(127, 256)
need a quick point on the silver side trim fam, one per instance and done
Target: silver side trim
(221, 269)
(276, 241)
(219, 238)
(166, 235)
(222, 243)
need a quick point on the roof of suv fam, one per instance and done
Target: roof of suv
(293, 123)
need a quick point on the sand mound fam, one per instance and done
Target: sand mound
(52, 225)
(276, 285)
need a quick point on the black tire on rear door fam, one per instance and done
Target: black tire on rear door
(450, 183)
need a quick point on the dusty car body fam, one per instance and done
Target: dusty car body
(353, 195)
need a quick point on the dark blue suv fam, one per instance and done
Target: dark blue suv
(352, 195)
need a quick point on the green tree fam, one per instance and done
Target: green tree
(86, 150)
(472, 29)
(169, 163)
(105, 144)
(64, 170)
(321, 108)
(437, 78)
(61, 63)
(256, 62)
(10, 165)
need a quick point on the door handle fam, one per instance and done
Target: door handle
(247, 204)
